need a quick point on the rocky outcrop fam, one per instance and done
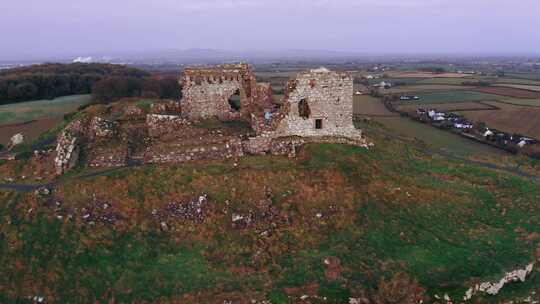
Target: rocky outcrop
(16, 140)
(493, 288)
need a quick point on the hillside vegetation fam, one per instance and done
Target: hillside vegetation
(388, 225)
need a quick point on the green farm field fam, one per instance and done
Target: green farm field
(41, 109)
(521, 86)
(450, 96)
(370, 106)
(447, 81)
(521, 81)
(424, 88)
(449, 107)
(530, 76)
(435, 138)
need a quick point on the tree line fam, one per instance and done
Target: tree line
(106, 82)
(116, 87)
(48, 81)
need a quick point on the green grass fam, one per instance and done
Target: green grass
(395, 210)
(529, 76)
(407, 81)
(144, 105)
(453, 80)
(504, 80)
(435, 138)
(26, 111)
(450, 96)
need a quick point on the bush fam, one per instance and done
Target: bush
(399, 289)
(24, 155)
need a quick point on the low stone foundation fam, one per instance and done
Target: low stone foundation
(262, 145)
(159, 125)
(228, 150)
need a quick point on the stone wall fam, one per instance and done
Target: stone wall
(67, 146)
(288, 145)
(159, 125)
(317, 108)
(230, 149)
(206, 91)
(329, 98)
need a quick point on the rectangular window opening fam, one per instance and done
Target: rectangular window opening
(318, 124)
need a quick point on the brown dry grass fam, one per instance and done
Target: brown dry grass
(30, 130)
(510, 92)
(511, 118)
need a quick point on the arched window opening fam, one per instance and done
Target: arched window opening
(303, 109)
(234, 101)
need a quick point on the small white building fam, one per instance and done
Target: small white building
(460, 125)
(436, 116)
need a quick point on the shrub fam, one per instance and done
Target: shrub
(399, 289)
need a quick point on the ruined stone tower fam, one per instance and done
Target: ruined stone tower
(227, 92)
(319, 103)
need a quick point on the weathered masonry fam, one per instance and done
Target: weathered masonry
(317, 108)
(320, 103)
(228, 92)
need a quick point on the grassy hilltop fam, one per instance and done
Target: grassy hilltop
(399, 221)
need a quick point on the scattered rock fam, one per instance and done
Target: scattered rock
(43, 192)
(16, 140)
(192, 210)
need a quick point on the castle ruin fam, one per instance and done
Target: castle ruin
(227, 92)
(317, 107)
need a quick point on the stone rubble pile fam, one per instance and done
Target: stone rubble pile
(102, 129)
(518, 275)
(100, 212)
(159, 125)
(193, 210)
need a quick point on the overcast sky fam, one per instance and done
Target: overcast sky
(31, 28)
